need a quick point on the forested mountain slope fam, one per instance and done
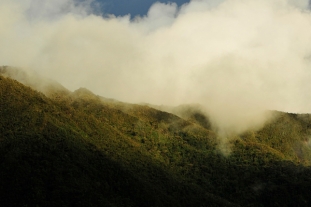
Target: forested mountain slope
(62, 148)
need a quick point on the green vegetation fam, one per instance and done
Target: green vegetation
(66, 148)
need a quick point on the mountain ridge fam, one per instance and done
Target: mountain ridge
(76, 148)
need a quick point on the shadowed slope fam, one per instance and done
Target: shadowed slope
(56, 154)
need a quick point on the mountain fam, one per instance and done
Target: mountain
(62, 148)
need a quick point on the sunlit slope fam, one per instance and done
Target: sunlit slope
(77, 148)
(55, 153)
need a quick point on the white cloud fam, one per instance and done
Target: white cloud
(235, 57)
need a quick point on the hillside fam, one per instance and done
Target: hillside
(62, 148)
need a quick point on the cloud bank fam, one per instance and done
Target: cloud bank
(237, 58)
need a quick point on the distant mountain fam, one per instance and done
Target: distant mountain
(62, 148)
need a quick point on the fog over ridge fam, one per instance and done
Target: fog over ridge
(237, 58)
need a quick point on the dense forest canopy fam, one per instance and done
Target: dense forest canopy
(63, 148)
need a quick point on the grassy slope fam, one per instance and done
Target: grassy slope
(76, 149)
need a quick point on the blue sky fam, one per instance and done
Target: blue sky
(133, 7)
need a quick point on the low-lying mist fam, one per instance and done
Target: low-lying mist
(236, 58)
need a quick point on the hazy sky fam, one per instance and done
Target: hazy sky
(235, 57)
